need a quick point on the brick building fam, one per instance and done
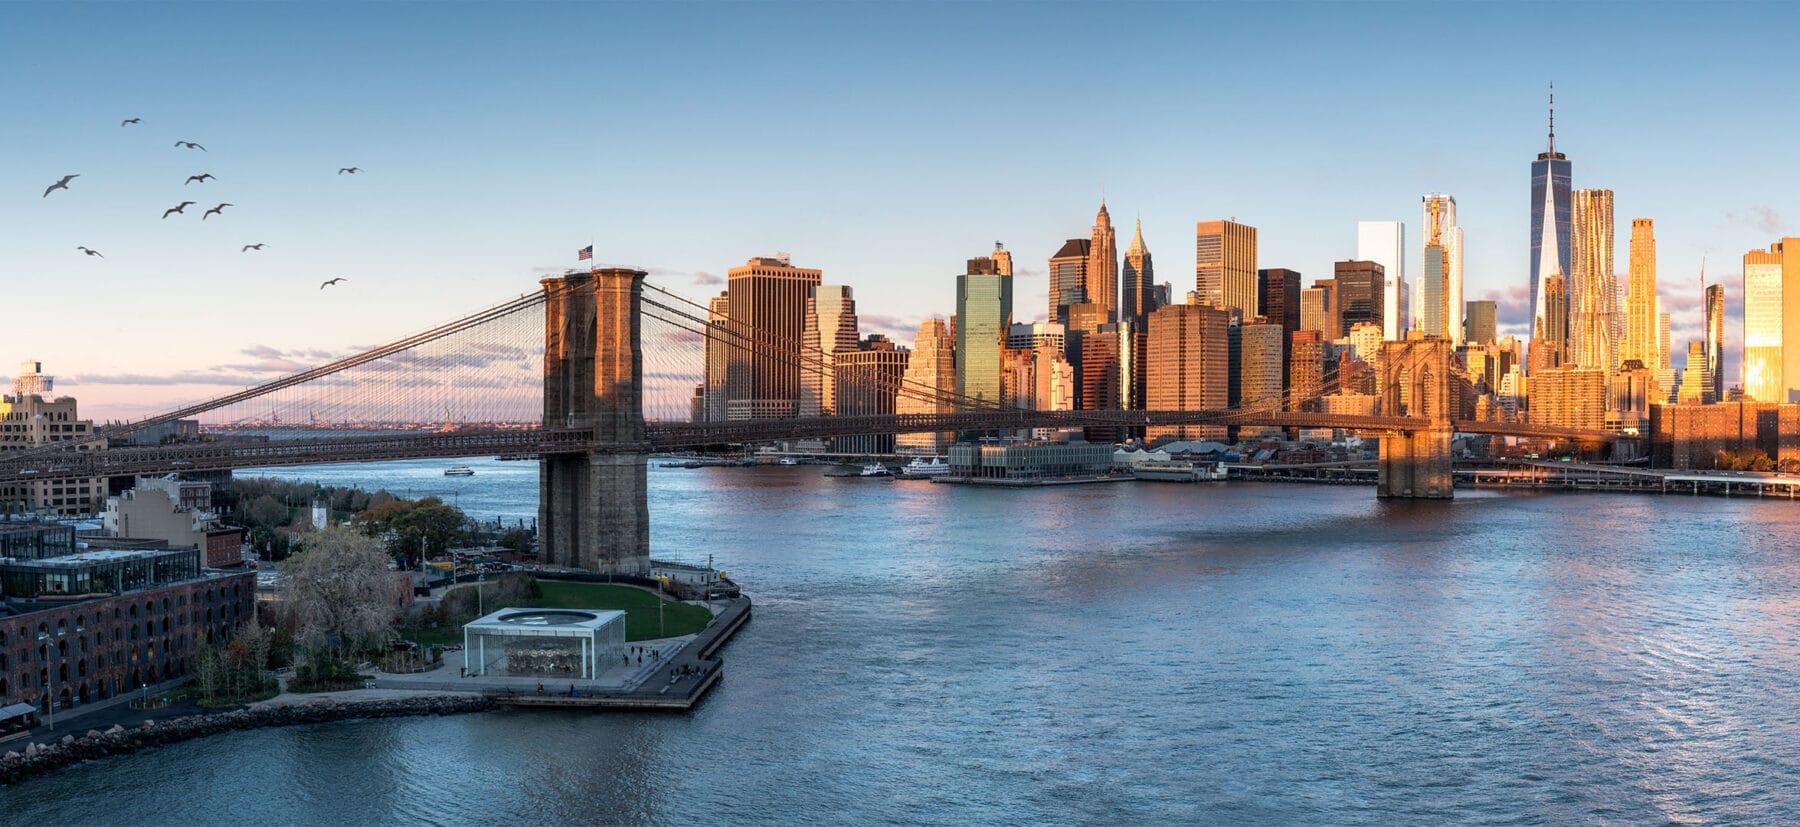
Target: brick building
(81, 627)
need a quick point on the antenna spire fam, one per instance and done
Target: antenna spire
(1553, 118)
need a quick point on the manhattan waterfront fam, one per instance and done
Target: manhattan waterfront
(947, 655)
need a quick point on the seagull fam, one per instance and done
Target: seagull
(178, 208)
(129, 120)
(202, 178)
(90, 252)
(332, 282)
(60, 185)
(190, 145)
(219, 209)
(248, 247)
(351, 170)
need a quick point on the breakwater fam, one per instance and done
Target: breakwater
(34, 758)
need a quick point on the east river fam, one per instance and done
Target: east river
(1107, 654)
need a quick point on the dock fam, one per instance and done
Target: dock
(675, 684)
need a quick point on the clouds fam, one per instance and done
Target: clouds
(1762, 218)
(1512, 310)
(701, 277)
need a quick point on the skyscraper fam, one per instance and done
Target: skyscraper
(1772, 312)
(1103, 266)
(1591, 284)
(767, 300)
(931, 371)
(1305, 370)
(1358, 293)
(1139, 297)
(1319, 309)
(1100, 375)
(1480, 323)
(1189, 366)
(1713, 317)
(1002, 259)
(1440, 291)
(1550, 223)
(1556, 290)
(1260, 365)
(1640, 296)
(830, 329)
(1225, 265)
(868, 378)
(719, 346)
(1279, 291)
(1696, 377)
(1384, 242)
(1068, 278)
(983, 320)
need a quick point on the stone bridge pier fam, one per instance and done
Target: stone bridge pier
(592, 508)
(1417, 382)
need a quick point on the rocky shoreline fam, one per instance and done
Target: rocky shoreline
(36, 759)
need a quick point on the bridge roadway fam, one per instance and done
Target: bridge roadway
(661, 436)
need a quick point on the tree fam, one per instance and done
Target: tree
(414, 528)
(339, 593)
(266, 512)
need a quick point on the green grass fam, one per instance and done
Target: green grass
(640, 609)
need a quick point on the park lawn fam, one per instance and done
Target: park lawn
(640, 609)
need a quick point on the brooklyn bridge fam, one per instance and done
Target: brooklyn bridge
(589, 374)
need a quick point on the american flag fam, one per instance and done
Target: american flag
(585, 253)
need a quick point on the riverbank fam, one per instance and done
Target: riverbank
(36, 759)
(693, 672)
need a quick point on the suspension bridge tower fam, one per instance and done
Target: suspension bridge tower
(1417, 382)
(592, 508)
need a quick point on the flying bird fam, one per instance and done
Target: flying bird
(332, 282)
(190, 145)
(178, 208)
(90, 252)
(60, 185)
(248, 247)
(219, 210)
(351, 170)
(129, 120)
(202, 178)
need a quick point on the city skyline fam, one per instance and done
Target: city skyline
(429, 233)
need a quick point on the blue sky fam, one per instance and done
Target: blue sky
(884, 144)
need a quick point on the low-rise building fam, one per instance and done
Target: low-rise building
(1030, 461)
(31, 418)
(80, 626)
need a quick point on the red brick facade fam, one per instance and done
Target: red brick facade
(91, 650)
(224, 548)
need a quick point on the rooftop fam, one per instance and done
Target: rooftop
(545, 622)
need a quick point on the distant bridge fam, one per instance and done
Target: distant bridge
(585, 332)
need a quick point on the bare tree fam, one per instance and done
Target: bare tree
(339, 592)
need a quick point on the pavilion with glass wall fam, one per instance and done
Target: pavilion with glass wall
(544, 643)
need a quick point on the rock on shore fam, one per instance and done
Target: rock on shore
(35, 758)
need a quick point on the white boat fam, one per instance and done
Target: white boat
(1179, 471)
(459, 471)
(875, 469)
(788, 461)
(920, 468)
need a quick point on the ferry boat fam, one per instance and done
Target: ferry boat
(788, 461)
(1179, 471)
(875, 469)
(920, 468)
(459, 471)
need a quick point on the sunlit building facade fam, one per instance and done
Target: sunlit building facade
(1384, 242)
(1225, 265)
(930, 376)
(1593, 302)
(983, 320)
